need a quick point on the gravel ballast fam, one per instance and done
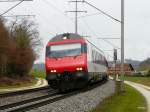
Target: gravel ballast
(18, 98)
(82, 102)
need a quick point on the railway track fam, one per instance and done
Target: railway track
(13, 107)
(30, 104)
(22, 92)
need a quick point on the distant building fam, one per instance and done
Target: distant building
(128, 68)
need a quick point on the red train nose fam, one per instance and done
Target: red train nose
(71, 64)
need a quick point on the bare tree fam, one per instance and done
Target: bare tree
(19, 45)
(27, 40)
(4, 47)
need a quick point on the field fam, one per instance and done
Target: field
(129, 101)
(141, 80)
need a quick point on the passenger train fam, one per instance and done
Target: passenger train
(73, 62)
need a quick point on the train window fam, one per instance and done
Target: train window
(99, 58)
(63, 50)
(102, 61)
(47, 50)
(96, 57)
(84, 48)
(93, 56)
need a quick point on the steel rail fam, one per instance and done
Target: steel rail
(57, 98)
(12, 105)
(30, 104)
(22, 92)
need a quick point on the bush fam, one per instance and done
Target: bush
(148, 73)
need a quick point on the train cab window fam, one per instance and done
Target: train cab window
(63, 50)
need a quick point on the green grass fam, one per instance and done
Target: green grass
(141, 80)
(4, 86)
(39, 74)
(129, 101)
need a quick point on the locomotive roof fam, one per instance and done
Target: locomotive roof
(71, 36)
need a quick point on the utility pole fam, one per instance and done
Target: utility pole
(76, 14)
(122, 42)
(76, 17)
(122, 34)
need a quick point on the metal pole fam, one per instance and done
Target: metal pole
(122, 41)
(76, 18)
(76, 13)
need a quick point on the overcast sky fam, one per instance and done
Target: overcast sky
(52, 19)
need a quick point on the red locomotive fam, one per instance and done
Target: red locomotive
(72, 62)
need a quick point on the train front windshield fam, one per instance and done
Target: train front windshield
(64, 50)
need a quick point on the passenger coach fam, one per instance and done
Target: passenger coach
(72, 62)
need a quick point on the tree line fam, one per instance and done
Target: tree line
(145, 65)
(19, 43)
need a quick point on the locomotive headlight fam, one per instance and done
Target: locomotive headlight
(53, 71)
(79, 69)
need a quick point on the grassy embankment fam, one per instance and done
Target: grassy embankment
(7, 83)
(141, 80)
(129, 101)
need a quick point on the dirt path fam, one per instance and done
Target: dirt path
(145, 90)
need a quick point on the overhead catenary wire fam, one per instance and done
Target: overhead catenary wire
(11, 16)
(101, 38)
(13, 0)
(89, 28)
(44, 19)
(88, 15)
(11, 8)
(61, 12)
(106, 14)
(47, 2)
(110, 38)
(111, 43)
